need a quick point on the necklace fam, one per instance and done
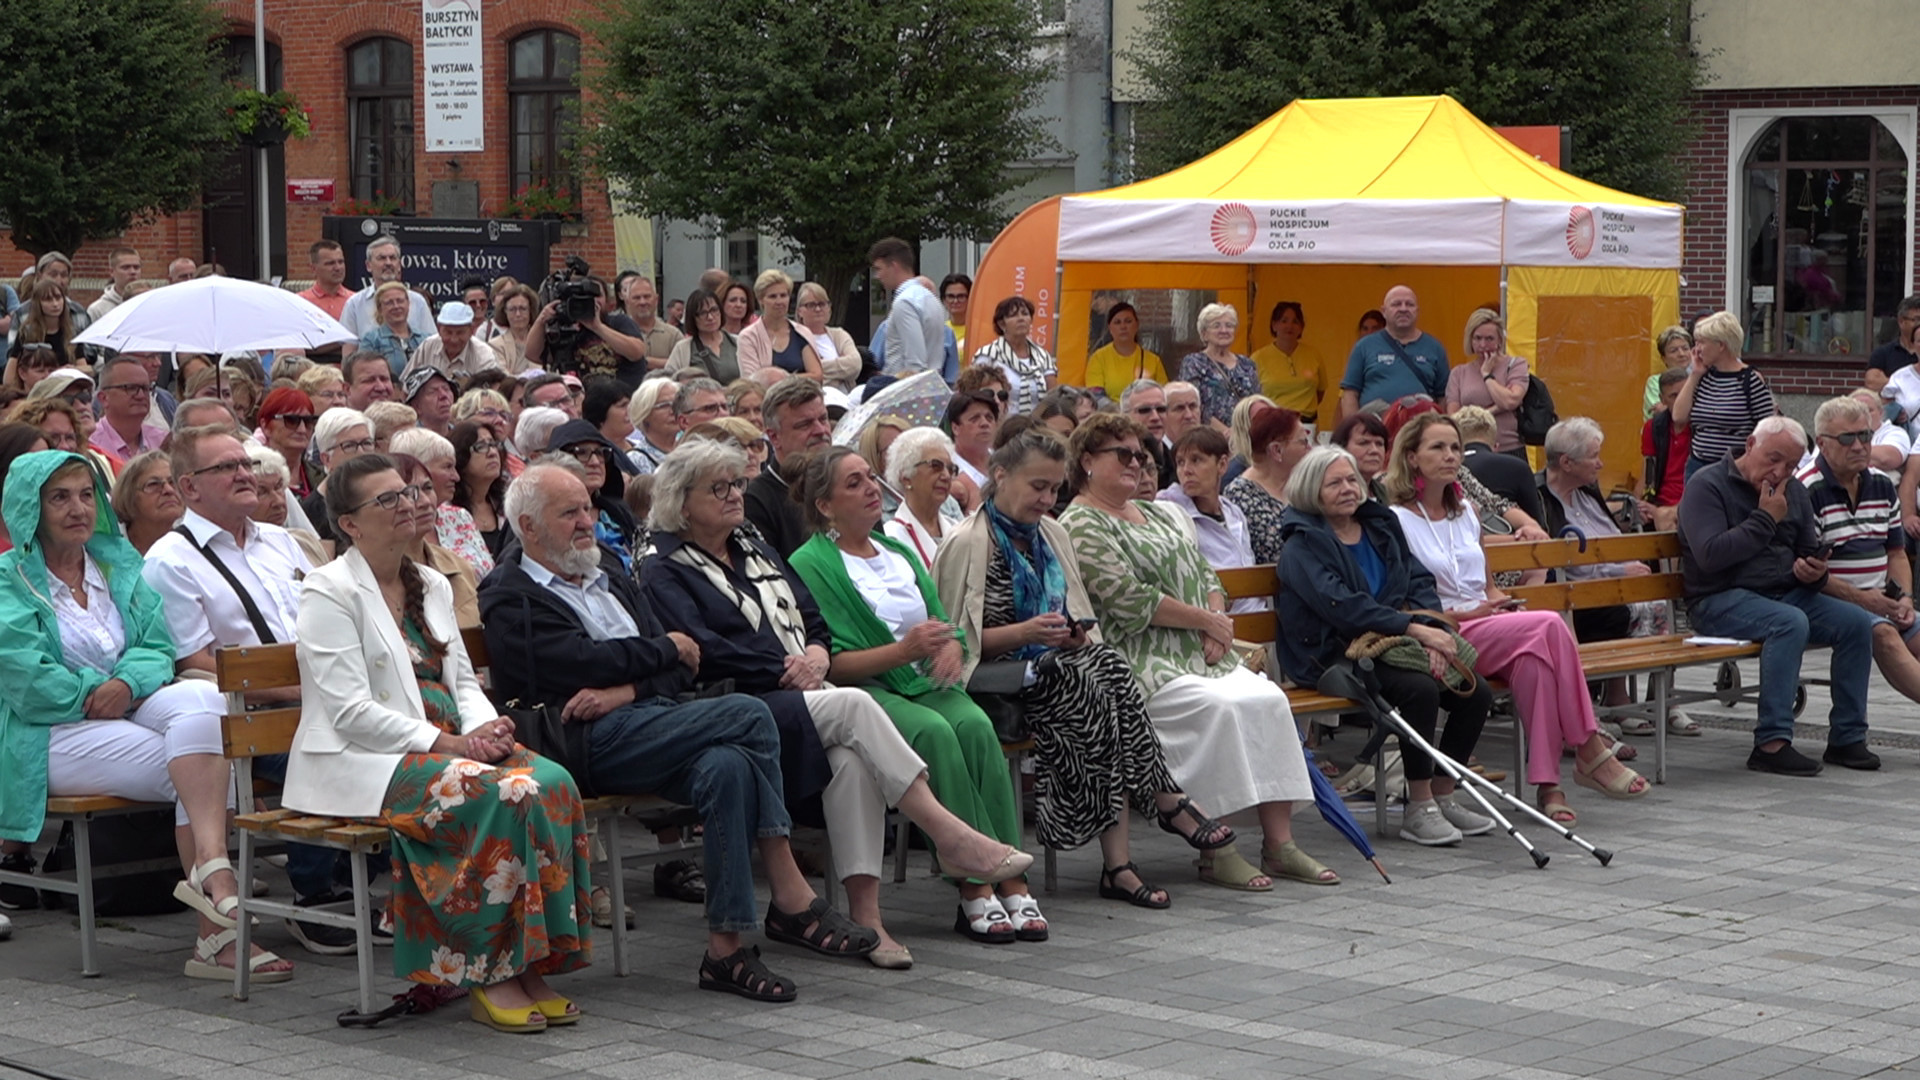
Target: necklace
(1439, 541)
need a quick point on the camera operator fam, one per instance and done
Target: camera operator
(572, 335)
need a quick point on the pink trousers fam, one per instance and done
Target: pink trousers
(1534, 653)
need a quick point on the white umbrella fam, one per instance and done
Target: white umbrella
(215, 315)
(919, 399)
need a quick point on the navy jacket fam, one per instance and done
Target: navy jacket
(1323, 603)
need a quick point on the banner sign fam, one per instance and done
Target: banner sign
(456, 113)
(436, 254)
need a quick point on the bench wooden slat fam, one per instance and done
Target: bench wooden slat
(263, 819)
(268, 731)
(1258, 627)
(96, 804)
(256, 667)
(305, 826)
(1552, 554)
(475, 640)
(355, 835)
(1311, 702)
(1241, 582)
(1602, 592)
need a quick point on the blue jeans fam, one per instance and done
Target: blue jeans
(719, 755)
(314, 871)
(1784, 627)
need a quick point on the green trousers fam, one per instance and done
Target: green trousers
(965, 767)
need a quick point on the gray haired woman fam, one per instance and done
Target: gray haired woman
(921, 468)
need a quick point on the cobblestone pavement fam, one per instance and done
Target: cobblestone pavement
(1750, 926)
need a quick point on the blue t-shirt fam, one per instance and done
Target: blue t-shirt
(1372, 567)
(1376, 369)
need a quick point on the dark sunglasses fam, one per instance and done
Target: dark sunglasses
(1125, 455)
(1850, 438)
(298, 419)
(1149, 408)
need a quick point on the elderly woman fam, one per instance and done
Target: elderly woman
(392, 338)
(708, 347)
(759, 629)
(1532, 651)
(1030, 370)
(605, 473)
(66, 428)
(287, 418)
(339, 434)
(1122, 361)
(324, 386)
(533, 433)
(1723, 398)
(1345, 570)
(513, 313)
(1676, 351)
(891, 635)
(273, 508)
(744, 397)
(839, 356)
(775, 341)
(490, 852)
(655, 428)
(1492, 380)
(737, 431)
(920, 467)
(1010, 577)
(1291, 370)
(1221, 375)
(482, 489)
(1276, 442)
(144, 499)
(972, 420)
(454, 527)
(491, 411)
(91, 707)
(1228, 734)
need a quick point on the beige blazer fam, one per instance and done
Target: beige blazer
(360, 709)
(960, 576)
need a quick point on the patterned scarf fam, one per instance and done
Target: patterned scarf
(772, 592)
(1039, 582)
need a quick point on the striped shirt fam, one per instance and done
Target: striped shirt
(1862, 533)
(1726, 406)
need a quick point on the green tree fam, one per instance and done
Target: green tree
(116, 110)
(825, 123)
(1618, 72)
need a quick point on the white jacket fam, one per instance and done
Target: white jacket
(360, 709)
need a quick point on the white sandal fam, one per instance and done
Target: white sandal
(1024, 912)
(984, 920)
(1679, 723)
(206, 961)
(1636, 725)
(193, 893)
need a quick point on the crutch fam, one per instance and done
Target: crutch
(1355, 682)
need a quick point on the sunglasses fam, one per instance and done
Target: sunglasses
(1125, 455)
(1850, 438)
(1144, 409)
(936, 466)
(589, 451)
(297, 419)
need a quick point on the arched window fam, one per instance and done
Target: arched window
(1824, 236)
(543, 105)
(380, 120)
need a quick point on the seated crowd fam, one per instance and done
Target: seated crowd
(734, 613)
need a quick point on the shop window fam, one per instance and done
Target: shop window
(1169, 320)
(380, 120)
(543, 107)
(1824, 237)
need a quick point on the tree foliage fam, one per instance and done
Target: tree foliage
(114, 110)
(1618, 72)
(824, 123)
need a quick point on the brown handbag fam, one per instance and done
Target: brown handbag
(1403, 651)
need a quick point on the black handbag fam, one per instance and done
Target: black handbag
(1536, 414)
(998, 687)
(540, 729)
(143, 837)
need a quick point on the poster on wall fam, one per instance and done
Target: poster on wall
(456, 117)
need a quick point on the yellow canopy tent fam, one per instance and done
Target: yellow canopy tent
(1331, 202)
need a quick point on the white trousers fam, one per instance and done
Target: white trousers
(1230, 742)
(128, 758)
(872, 768)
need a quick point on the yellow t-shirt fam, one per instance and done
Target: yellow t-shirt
(1293, 382)
(1115, 372)
(959, 336)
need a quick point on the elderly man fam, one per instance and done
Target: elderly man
(698, 401)
(584, 639)
(1146, 401)
(123, 269)
(454, 351)
(127, 392)
(1183, 409)
(206, 412)
(383, 265)
(1857, 512)
(794, 416)
(916, 324)
(430, 394)
(369, 379)
(552, 392)
(1755, 567)
(641, 303)
(1396, 361)
(181, 269)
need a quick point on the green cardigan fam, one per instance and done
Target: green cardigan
(850, 615)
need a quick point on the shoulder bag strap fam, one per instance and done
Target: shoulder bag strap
(246, 599)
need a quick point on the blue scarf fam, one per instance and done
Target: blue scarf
(1039, 582)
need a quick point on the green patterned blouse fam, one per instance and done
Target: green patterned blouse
(1128, 570)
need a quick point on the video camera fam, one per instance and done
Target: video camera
(579, 298)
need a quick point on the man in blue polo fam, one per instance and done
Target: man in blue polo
(1394, 362)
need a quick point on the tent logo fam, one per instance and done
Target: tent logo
(1580, 232)
(1233, 228)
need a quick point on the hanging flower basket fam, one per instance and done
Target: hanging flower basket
(266, 120)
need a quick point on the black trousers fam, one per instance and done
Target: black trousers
(1420, 697)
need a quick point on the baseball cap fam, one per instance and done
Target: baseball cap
(416, 380)
(57, 383)
(454, 313)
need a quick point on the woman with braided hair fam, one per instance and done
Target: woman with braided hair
(490, 886)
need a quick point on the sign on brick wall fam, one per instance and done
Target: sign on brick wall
(437, 253)
(456, 114)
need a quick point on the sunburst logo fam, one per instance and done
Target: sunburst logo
(1233, 228)
(1580, 232)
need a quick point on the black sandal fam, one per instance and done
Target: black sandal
(1203, 826)
(680, 879)
(742, 973)
(1140, 897)
(833, 933)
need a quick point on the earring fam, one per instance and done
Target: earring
(1419, 486)
(833, 534)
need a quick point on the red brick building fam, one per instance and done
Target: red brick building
(357, 68)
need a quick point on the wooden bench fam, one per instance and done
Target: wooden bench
(80, 812)
(250, 734)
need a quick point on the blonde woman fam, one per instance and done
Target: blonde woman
(324, 386)
(775, 341)
(1492, 380)
(1221, 375)
(1723, 398)
(655, 428)
(839, 357)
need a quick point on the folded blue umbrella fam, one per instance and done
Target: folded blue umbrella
(1333, 810)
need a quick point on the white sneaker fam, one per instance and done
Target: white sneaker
(6, 928)
(1469, 822)
(1423, 823)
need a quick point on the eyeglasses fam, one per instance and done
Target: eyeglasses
(225, 468)
(812, 305)
(297, 419)
(1850, 438)
(588, 451)
(133, 389)
(935, 465)
(82, 396)
(953, 298)
(485, 446)
(708, 410)
(391, 500)
(720, 489)
(1125, 455)
(999, 395)
(1144, 409)
(156, 485)
(354, 446)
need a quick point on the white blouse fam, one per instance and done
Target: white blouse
(93, 636)
(1450, 550)
(888, 583)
